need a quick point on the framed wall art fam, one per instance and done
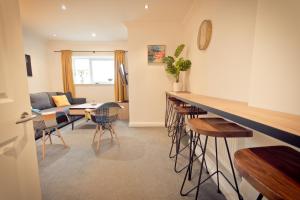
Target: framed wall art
(156, 53)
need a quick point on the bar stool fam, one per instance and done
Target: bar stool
(183, 112)
(273, 171)
(214, 127)
(171, 119)
(168, 109)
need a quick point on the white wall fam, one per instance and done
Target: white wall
(223, 70)
(36, 47)
(98, 93)
(253, 57)
(148, 83)
(275, 74)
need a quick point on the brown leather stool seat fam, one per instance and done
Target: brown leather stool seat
(274, 171)
(218, 127)
(189, 110)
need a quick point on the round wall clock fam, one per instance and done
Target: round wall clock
(204, 34)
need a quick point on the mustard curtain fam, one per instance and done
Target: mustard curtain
(66, 63)
(120, 89)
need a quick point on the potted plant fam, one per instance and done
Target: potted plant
(175, 65)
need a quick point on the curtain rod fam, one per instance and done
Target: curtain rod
(87, 51)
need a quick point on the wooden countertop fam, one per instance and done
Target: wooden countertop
(256, 118)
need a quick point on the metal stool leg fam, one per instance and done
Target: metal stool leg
(172, 121)
(195, 143)
(178, 144)
(260, 196)
(200, 144)
(190, 165)
(167, 111)
(188, 171)
(202, 162)
(217, 164)
(232, 169)
(178, 139)
(174, 135)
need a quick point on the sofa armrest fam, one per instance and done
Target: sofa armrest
(79, 100)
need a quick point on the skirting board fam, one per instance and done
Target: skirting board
(146, 124)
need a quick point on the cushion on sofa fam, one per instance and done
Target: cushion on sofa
(40, 101)
(68, 95)
(61, 101)
(50, 94)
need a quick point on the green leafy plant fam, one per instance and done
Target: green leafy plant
(176, 64)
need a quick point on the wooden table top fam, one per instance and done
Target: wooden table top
(257, 118)
(272, 171)
(86, 106)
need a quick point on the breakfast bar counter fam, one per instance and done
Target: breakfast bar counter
(282, 126)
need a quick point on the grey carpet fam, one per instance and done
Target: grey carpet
(138, 168)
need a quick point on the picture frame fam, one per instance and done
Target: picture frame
(156, 54)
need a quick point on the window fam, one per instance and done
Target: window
(93, 70)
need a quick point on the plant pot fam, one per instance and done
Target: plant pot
(177, 87)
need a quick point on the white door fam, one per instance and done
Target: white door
(19, 177)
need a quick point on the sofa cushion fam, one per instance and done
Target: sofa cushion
(61, 101)
(40, 101)
(68, 95)
(50, 94)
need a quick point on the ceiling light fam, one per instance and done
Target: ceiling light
(63, 7)
(146, 6)
(54, 35)
(93, 34)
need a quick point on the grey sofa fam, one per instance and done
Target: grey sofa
(43, 102)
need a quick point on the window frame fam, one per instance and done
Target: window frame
(91, 59)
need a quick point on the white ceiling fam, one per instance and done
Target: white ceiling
(104, 17)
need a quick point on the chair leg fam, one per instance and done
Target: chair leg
(60, 136)
(50, 138)
(114, 132)
(95, 134)
(111, 132)
(44, 144)
(100, 134)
